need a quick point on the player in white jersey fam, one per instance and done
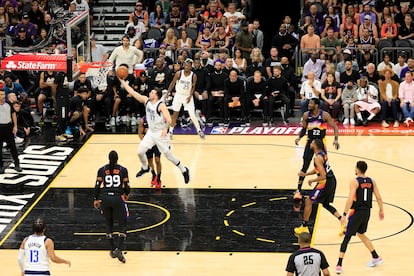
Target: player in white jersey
(35, 251)
(159, 120)
(185, 82)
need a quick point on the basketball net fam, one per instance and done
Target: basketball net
(97, 71)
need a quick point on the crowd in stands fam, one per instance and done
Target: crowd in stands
(334, 52)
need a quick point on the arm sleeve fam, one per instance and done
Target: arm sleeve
(20, 259)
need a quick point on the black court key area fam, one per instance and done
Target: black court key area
(214, 220)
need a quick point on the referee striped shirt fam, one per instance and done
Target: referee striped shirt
(307, 261)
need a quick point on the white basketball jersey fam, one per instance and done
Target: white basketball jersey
(36, 258)
(155, 118)
(184, 84)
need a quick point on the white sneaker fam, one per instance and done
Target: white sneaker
(134, 121)
(352, 120)
(396, 124)
(408, 121)
(371, 116)
(375, 262)
(112, 121)
(60, 138)
(346, 122)
(384, 124)
(18, 140)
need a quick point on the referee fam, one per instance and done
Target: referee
(8, 129)
(307, 261)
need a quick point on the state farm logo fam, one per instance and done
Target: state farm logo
(29, 65)
(11, 65)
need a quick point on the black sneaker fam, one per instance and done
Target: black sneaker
(186, 175)
(17, 168)
(112, 253)
(142, 172)
(365, 122)
(120, 256)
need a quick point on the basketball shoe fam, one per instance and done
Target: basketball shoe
(119, 254)
(375, 262)
(186, 175)
(142, 172)
(301, 229)
(158, 184)
(338, 269)
(201, 134)
(154, 180)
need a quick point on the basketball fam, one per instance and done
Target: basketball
(122, 72)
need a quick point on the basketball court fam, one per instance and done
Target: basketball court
(235, 217)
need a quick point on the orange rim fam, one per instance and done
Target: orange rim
(96, 64)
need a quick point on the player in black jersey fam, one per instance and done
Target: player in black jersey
(314, 123)
(324, 191)
(358, 208)
(153, 155)
(111, 199)
(307, 261)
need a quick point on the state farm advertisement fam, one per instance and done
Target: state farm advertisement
(35, 62)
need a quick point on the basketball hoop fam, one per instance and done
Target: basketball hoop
(97, 72)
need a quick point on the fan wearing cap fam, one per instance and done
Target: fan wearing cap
(346, 56)
(184, 82)
(22, 40)
(175, 18)
(141, 13)
(370, 26)
(388, 89)
(28, 26)
(35, 251)
(367, 13)
(163, 54)
(135, 29)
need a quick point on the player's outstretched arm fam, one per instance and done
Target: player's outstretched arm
(332, 123)
(133, 93)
